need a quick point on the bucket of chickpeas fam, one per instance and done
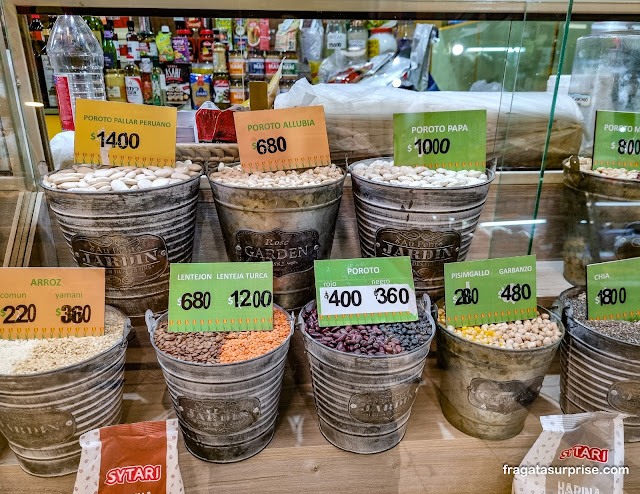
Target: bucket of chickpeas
(493, 373)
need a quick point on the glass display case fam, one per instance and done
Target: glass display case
(363, 61)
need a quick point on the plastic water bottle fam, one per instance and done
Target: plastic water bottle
(77, 59)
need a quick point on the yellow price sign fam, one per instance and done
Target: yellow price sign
(38, 303)
(282, 139)
(123, 134)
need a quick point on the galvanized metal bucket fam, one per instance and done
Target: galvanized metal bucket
(43, 415)
(227, 412)
(364, 402)
(433, 225)
(134, 235)
(598, 372)
(485, 391)
(290, 226)
(602, 220)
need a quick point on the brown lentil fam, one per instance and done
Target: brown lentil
(223, 347)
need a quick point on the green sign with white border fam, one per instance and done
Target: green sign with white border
(617, 140)
(456, 140)
(365, 291)
(613, 290)
(488, 291)
(225, 296)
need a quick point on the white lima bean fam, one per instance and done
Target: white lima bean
(234, 175)
(88, 178)
(622, 173)
(419, 176)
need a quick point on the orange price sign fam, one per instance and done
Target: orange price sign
(282, 139)
(37, 303)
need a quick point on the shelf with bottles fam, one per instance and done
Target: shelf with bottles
(185, 61)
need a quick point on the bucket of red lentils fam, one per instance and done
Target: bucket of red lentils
(225, 386)
(493, 373)
(54, 390)
(366, 377)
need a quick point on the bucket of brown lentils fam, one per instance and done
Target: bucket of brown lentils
(225, 386)
(54, 390)
(493, 373)
(600, 362)
(366, 377)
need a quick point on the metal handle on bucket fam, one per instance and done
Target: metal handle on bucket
(151, 320)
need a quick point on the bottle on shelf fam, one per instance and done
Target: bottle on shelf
(133, 42)
(405, 38)
(164, 46)
(35, 30)
(145, 74)
(335, 37)
(109, 48)
(77, 60)
(133, 82)
(157, 82)
(148, 47)
(95, 24)
(357, 37)
(116, 88)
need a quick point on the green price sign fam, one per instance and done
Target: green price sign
(613, 290)
(365, 291)
(449, 139)
(617, 140)
(494, 290)
(226, 296)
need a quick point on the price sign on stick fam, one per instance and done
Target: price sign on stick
(282, 139)
(452, 139)
(226, 296)
(613, 290)
(38, 303)
(617, 140)
(365, 291)
(494, 290)
(109, 133)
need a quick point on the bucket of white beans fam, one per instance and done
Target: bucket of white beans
(426, 214)
(131, 221)
(287, 217)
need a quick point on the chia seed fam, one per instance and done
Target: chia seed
(626, 331)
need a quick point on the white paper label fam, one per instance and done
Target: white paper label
(367, 299)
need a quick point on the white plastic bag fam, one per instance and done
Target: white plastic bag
(571, 448)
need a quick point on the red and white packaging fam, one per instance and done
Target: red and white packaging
(130, 458)
(64, 102)
(580, 453)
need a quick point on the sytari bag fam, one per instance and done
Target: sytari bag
(129, 458)
(568, 451)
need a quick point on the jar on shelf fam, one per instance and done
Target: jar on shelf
(238, 93)
(236, 65)
(255, 65)
(221, 85)
(285, 86)
(381, 41)
(290, 65)
(272, 63)
(205, 46)
(219, 57)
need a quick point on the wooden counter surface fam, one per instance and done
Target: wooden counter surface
(433, 457)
